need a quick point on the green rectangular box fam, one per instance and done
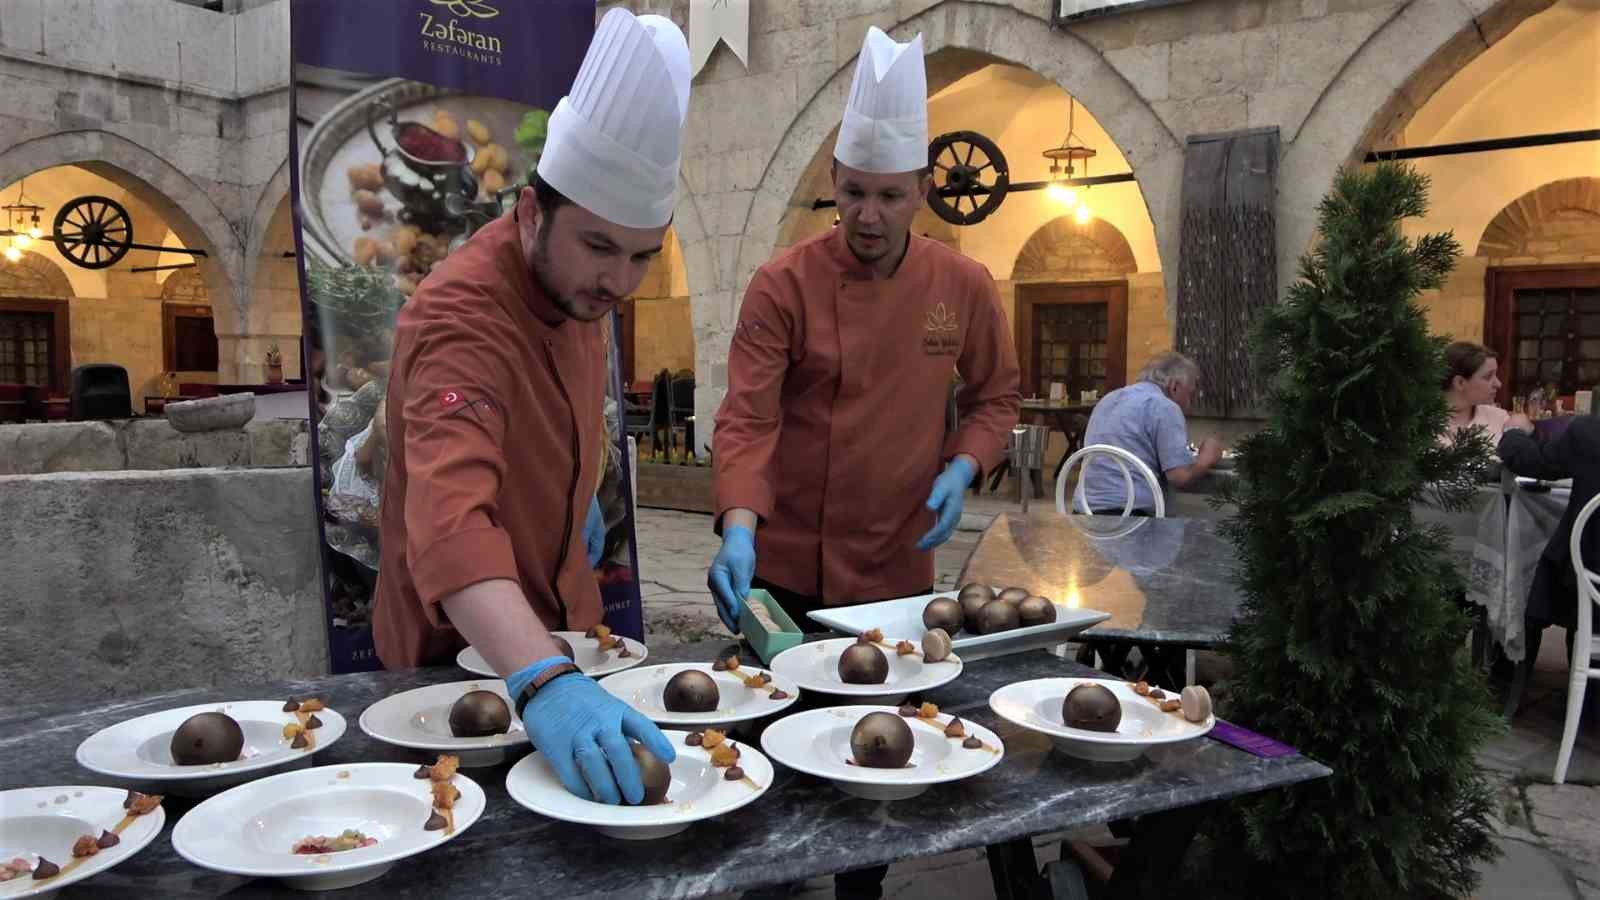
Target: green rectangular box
(768, 644)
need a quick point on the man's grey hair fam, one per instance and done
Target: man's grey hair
(1169, 368)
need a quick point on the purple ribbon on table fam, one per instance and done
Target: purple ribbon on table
(1250, 742)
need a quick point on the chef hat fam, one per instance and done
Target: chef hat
(614, 140)
(885, 127)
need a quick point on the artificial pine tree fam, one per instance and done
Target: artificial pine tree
(1350, 645)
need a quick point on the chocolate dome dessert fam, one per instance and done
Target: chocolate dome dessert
(206, 738)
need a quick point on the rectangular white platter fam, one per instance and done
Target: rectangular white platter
(902, 620)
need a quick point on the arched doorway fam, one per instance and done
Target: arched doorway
(169, 200)
(120, 314)
(1070, 281)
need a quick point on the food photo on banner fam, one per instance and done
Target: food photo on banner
(417, 123)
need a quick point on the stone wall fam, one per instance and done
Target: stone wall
(128, 583)
(148, 444)
(663, 336)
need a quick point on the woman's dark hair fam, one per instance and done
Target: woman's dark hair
(1464, 358)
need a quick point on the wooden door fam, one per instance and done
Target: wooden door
(1076, 334)
(35, 347)
(1544, 325)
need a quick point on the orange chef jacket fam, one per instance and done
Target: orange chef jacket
(495, 422)
(833, 428)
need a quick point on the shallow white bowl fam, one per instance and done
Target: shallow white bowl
(1036, 706)
(251, 829)
(901, 619)
(817, 742)
(699, 791)
(642, 688)
(419, 719)
(586, 653)
(815, 667)
(139, 750)
(47, 821)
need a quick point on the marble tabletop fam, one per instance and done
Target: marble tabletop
(1168, 581)
(803, 827)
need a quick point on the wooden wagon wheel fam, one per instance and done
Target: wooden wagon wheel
(968, 171)
(93, 232)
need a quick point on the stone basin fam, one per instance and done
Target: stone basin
(212, 413)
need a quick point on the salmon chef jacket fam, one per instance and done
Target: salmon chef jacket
(833, 428)
(495, 423)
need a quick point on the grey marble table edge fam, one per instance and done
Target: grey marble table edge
(21, 724)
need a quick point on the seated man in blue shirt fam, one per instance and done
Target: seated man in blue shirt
(1146, 418)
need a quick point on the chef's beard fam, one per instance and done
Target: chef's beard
(589, 311)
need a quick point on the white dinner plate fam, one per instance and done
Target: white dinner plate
(1036, 706)
(642, 689)
(47, 821)
(699, 791)
(817, 742)
(815, 667)
(902, 620)
(252, 829)
(586, 653)
(419, 719)
(140, 750)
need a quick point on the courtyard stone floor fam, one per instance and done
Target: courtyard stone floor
(1549, 836)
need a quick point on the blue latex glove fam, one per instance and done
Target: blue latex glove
(594, 532)
(949, 492)
(583, 732)
(731, 571)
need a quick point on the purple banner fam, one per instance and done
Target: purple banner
(417, 122)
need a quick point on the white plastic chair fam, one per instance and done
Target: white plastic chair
(1123, 459)
(1583, 667)
(1128, 463)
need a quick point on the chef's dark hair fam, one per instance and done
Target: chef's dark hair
(548, 198)
(1464, 358)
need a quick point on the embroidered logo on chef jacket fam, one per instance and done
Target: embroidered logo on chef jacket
(943, 332)
(455, 402)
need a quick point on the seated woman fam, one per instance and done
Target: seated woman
(1471, 382)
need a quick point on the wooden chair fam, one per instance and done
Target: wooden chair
(1582, 667)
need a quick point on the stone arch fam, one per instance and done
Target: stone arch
(34, 276)
(273, 197)
(185, 286)
(1381, 87)
(1063, 250)
(1532, 218)
(182, 204)
(959, 38)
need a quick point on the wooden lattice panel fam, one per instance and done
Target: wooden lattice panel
(1228, 264)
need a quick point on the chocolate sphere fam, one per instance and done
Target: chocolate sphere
(206, 738)
(653, 772)
(1091, 707)
(997, 615)
(1036, 611)
(479, 714)
(863, 664)
(881, 741)
(971, 605)
(943, 612)
(691, 691)
(1013, 595)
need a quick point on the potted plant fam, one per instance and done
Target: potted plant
(274, 365)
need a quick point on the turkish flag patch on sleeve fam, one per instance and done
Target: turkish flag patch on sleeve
(448, 399)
